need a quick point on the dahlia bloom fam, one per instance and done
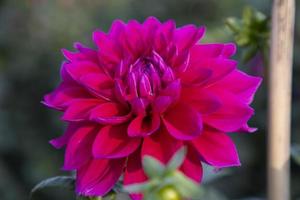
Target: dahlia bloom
(149, 89)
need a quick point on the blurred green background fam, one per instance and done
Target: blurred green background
(32, 32)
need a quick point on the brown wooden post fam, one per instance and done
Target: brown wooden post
(280, 86)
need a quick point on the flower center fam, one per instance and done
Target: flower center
(145, 80)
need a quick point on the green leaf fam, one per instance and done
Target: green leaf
(58, 181)
(233, 24)
(186, 187)
(260, 17)
(177, 159)
(140, 187)
(295, 151)
(242, 39)
(247, 15)
(110, 196)
(153, 195)
(249, 53)
(153, 167)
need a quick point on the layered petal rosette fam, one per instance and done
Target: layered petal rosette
(149, 89)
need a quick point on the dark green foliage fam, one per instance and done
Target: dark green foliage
(67, 182)
(251, 32)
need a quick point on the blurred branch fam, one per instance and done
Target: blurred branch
(280, 87)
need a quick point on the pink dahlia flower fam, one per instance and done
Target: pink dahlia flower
(149, 89)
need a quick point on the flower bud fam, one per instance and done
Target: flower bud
(169, 193)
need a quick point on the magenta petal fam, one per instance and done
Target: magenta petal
(172, 90)
(76, 56)
(231, 116)
(151, 22)
(121, 70)
(183, 122)
(61, 97)
(64, 139)
(168, 29)
(109, 49)
(78, 150)
(99, 85)
(65, 76)
(132, 82)
(161, 103)
(216, 149)
(145, 86)
(221, 68)
(98, 177)
(79, 109)
(91, 54)
(161, 146)
(139, 105)
(91, 173)
(196, 76)
(187, 36)
(208, 70)
(201, 99)
(110, 113)
(246, 87)
(150, 27)
(168, 75)
(84, 53)
(113, 142)
(181, 62)
(144, 125)
(134, 31)
(80, 68)
(69, 55)
(97, 82)
(132, 39)
(192, 166)
(117, 27)
(247, 129)
(134, 173)
(206, 51)
(229, 50)
(120, 91)
(164, 35)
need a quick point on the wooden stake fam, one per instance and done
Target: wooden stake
(280, 85)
